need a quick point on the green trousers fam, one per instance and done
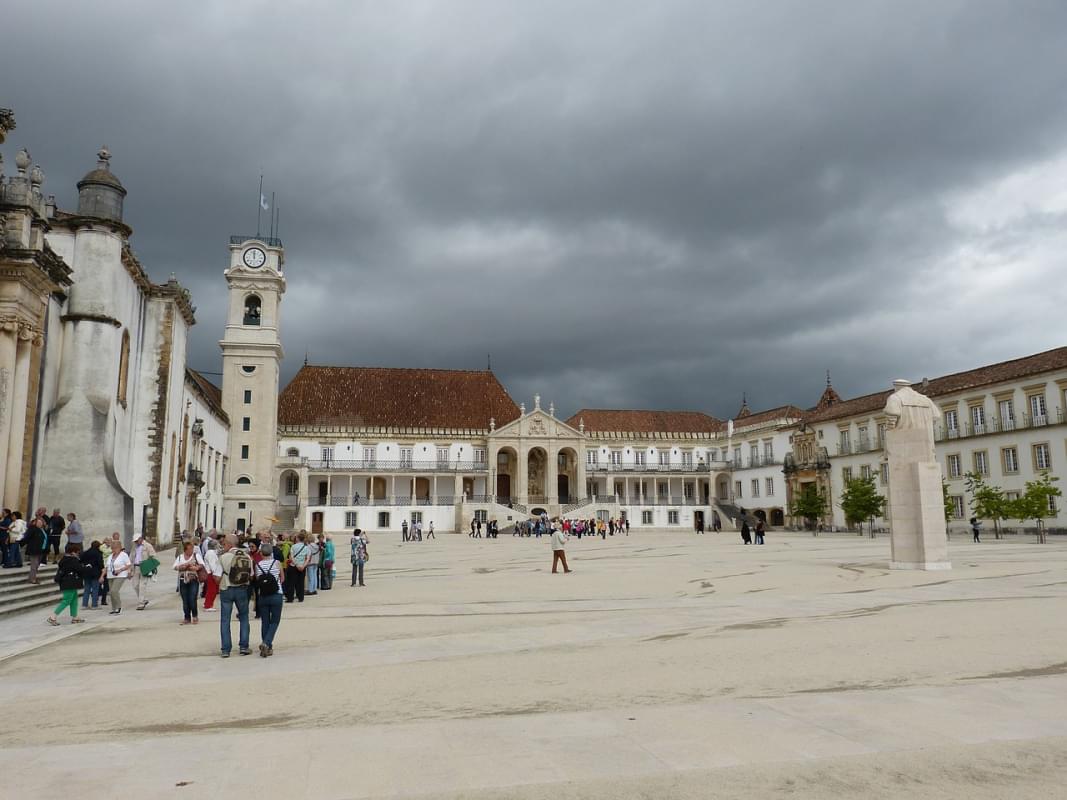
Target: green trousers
(70, 598)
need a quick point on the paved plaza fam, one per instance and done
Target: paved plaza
(666, 665)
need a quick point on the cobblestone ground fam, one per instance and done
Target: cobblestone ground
(665, 665)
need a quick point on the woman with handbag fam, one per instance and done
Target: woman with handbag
(214, 575)
(191, 573)
(360, 556)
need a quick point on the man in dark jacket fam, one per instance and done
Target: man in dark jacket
(56, 526)
(746, 533)
(92, 567)
(36, 541)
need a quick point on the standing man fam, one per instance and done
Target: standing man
(418, 531)
(299, 554)
(75, 535)
(559, 541)
(976, 529)
(5, 533)
(56, 526)
(429, 532)
(404, 530)
(760, 528)
(36, 546)
(142, 552)
(360, 556)
(233, 590)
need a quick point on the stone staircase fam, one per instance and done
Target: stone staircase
(17, 595)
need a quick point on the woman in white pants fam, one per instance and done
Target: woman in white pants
(117, 570)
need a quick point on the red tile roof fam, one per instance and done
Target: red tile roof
(385, 397)
(211, 393)
(771, 414)
(1001, 372)
(620, 421)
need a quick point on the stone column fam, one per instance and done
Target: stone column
(8, 339)
(522, 492)
(551, 476)
(18, 397)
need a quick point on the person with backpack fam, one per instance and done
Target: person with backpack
(70, 580)
(268, 580)
(235, 578)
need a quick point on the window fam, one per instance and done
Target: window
(1009, 460)
(646, 517)
(954, 466)
(957, 506)
(292, 484)
(244, 481)
(442, 456)
(327, 454)
(664, 458)
(737, 457)
(952, 423)
(383, 519)
(416, 517)
(881, 434)
(865, 472)
(248, 396)
(591, 457)
(1052, 504)
(246, 424)
(244, 452)
(755, 487)
(687, 491)
(640, 457)
(770, 486)
(687, 458)
(481, 515)
(405, 456)
(768, 452)
(672, 517)
(1006, 412)
(977, 420)
(846, 475)
(292, 452)
(252, 310)
(479, 455)
(753, 455)
(863, 440)
(124, 368)
(846, 441)
(661, 489)
(713, 454)
(737, 489)
(369, 456)
(1038, 414)
(351, 519)
(885, 473)
(981, 462)
(247, 370)
(1011, 495)
(616, 457)
(1042, 457)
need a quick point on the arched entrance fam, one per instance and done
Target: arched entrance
(288, 488)
(777, 517)
(567, 473)
(507, 470)
(536, 464)
(761, 515)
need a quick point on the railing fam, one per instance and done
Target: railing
(699, 467)
(399, 465)
(196, 477)
(267, 240)
(997, 425)
(397, 500)
(759, 461)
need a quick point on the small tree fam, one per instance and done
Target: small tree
(950, 507)
(987, 502)
(809, 505)
(860, 501)
(1034, 502)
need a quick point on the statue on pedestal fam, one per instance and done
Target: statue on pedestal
(916, 505)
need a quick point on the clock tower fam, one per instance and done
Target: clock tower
(251, 362)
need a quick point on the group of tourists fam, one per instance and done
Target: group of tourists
(413, 533)
(492, 529)
(38, 538)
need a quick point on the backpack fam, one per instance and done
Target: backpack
(240, 569)
(266, 583)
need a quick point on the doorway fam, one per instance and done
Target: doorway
(503, 489)
(698, 521)
(316, 522)
(563, 488)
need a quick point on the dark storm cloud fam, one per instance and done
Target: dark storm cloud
(627, 204)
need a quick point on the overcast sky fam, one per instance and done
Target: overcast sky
(629, 204)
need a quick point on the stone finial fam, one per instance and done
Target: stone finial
(551, 409)
(23, 160)
(522, 409)
(1, 164)
(537, 402)
(581, 424)
(492, 423)
(36, 176)
(103, 156)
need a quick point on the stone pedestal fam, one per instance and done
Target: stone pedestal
(916, 503)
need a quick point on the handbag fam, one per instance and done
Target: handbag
(201, 575)
(149, 565)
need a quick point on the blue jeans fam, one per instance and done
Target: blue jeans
(313, 578)
(270, 614)
(234, 595)
(189, 592)
(92, 592)
(14, 555)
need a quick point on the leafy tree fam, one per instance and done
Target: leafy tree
(809, 505)
(987, 502)
(1034, 502)
(860, 501)
(950, 507)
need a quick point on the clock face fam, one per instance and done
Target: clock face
(254, 257)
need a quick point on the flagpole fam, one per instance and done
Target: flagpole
(259, 204)
(272, 215)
